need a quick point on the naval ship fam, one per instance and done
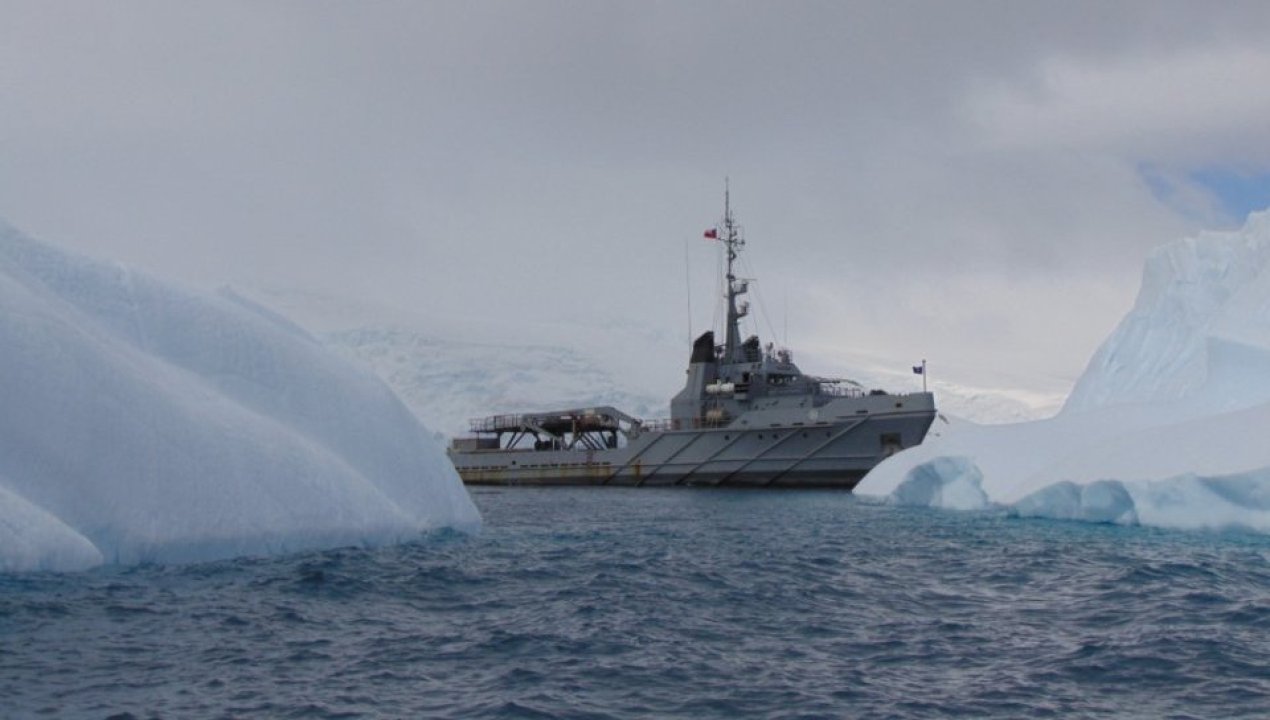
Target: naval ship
(746, 417)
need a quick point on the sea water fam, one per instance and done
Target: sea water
(620, 603)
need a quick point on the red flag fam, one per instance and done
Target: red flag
(712, 234)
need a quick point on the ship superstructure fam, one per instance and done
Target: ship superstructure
(747, 416)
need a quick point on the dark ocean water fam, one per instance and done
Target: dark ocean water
(608, 603)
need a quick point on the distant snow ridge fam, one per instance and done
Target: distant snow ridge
(449, 368)
(1167, 426)
(141, 422)
(449, 382)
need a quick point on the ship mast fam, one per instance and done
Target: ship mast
(734, 242)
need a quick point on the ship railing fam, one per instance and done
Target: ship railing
(858, 392)
(665, 424)
(596, 419)
(657, 425)
(495, 423)
(838, 390)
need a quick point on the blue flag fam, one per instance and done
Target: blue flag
(919, 369)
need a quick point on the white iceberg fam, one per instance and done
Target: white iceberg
(1166, 427)
(143, 422)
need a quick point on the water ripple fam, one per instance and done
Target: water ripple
(629, 604)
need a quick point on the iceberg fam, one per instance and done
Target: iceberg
(1166, 426)
(144, 422)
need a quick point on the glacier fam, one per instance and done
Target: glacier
(450, 367)
(1166, 426)
(145, 422)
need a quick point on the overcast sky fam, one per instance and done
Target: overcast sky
(976, 183)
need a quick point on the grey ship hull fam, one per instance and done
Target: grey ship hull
(833, 446)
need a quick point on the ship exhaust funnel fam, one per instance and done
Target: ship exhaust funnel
(703, 369)
(703, 349)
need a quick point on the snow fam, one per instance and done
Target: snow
(1166, 427)
(145, 422)
(1002, 400)
(450, 368)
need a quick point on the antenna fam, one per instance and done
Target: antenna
(688, 278)
(785, 342)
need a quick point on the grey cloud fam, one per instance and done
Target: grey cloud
(467, 155)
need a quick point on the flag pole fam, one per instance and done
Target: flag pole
(923, 374)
